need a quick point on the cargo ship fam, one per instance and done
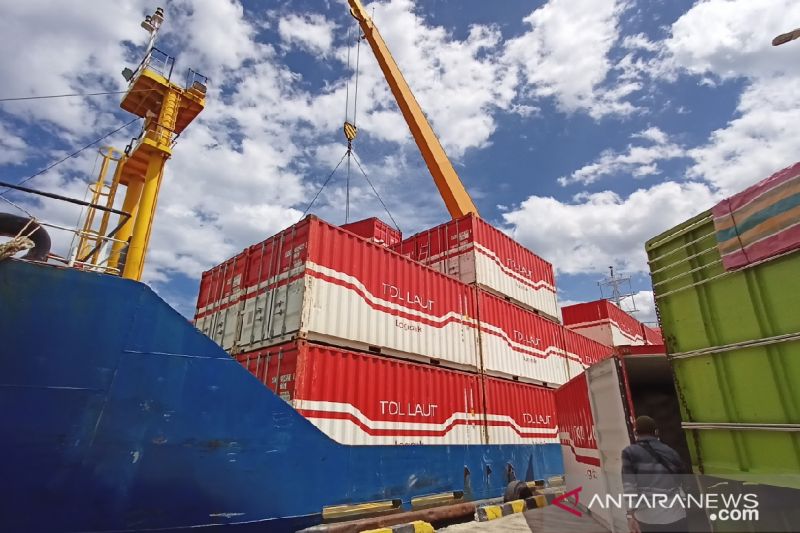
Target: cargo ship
(329, 373)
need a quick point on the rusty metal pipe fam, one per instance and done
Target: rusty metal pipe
(448, 513)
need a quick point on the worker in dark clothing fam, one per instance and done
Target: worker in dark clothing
(651, 468)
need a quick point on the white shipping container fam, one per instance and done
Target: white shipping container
(595, 412)
(475, 252)
(348, 292)
(604, 322)
(519, 344)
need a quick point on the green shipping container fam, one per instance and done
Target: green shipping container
(733, 340)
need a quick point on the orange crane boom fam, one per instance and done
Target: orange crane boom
(455, 196)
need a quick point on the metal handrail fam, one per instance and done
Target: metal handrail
(147, 62)
(193, 76)
(101, 240)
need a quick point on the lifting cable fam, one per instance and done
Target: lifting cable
(350, 131)
(73, 154)
(323, 186)
(375, 191)
(70, 95)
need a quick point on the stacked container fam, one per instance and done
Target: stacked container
(604, 322)
(375, 230)
(477, 253)
(221, 289)
(652, 335)
(518, 344)
(374, 347)
(318, 282)
(518, 413)
(363, 399)
(583, 350)
(358, 398)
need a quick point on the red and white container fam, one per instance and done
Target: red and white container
(519, 344)
(585, 350)
(318, 282)
(361, 399)
(603, 322)
(221, 289)
(375, 230)
(477, 253)
(596, 411)
(519, 413)
(652, 335)
(583, 467)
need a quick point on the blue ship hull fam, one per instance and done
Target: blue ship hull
(118, 414)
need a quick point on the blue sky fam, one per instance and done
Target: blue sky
(581, 127)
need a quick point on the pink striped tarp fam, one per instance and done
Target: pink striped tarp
(760, 222)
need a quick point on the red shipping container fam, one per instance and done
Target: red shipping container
(642, 349)
(576, 425)
(520, 344)
(585, 349)
(406, 248)
(361, 399)
(375, 230)
(603, 322)
(583, 459)
(519, 413)
(204, 294)
(319, 282)
(221, 289)
(652, 335)
(476, 252)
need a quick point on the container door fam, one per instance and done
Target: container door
(613, 430)
(594, 428)
(230, 326)
(216, 325)
(249, 329)
(200, 323)
(256, 311)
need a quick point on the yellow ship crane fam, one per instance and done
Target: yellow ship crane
(168, 108)
(453, 193)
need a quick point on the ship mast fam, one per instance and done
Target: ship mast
(168, 108)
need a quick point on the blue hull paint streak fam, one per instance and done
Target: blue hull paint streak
(118, 414)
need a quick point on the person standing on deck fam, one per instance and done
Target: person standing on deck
(650, 467)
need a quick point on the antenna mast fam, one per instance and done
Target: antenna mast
(617, 288)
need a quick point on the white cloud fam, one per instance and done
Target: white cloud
(565, 55)
(13, 149)
(311, 32)
(639, 41)
(732, 38)
(459, 83)
(760, 139)
(58, 48)
(645, 307)
(603, 229)
(228, 184)
(254, 156)
(759, 142)
(524, 110)
(638, 161)
(214, 36)
(715, 40)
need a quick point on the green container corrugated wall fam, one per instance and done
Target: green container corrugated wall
(734, 343)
